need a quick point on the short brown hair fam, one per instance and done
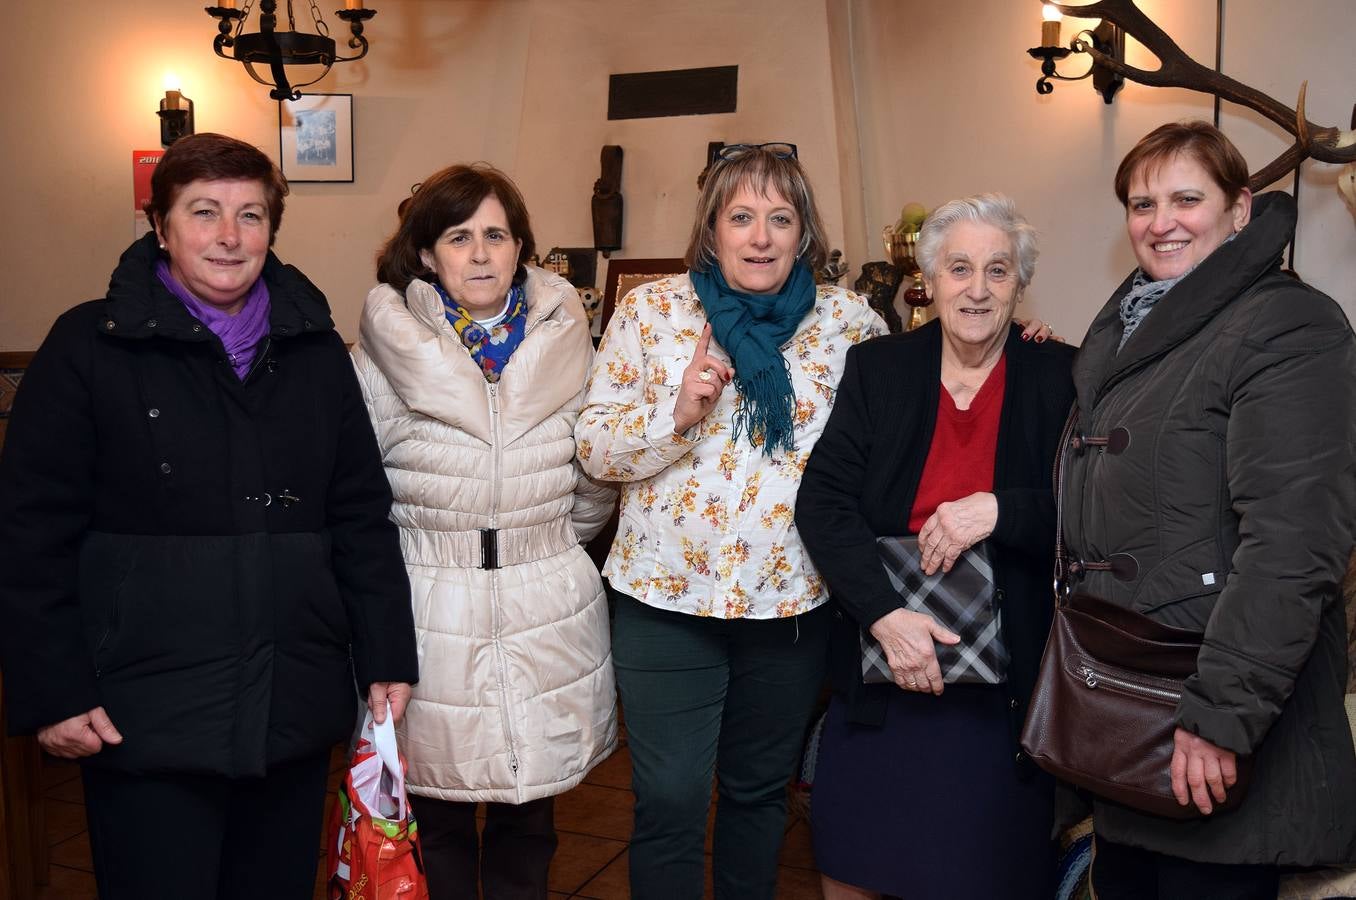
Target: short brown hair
(758, 169)
(445, 199)
(214, 157)
(1201, 141)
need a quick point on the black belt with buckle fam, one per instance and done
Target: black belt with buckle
(489, 548)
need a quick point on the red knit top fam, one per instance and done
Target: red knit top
(964, 443)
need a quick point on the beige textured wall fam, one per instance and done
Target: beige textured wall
(889, 100)
(947, 107)
(520, 83)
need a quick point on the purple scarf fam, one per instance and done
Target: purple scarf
(240, 333)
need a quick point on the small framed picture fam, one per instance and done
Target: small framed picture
(315, 137)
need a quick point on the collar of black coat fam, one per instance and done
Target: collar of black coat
(138, 305)
(1191, 304)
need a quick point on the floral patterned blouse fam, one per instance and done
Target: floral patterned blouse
(706, 521)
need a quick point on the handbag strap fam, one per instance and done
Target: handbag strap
(1057, 478)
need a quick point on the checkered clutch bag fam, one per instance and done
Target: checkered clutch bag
(961, 601)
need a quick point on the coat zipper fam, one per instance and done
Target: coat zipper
(260, 355)
(1092, 678)
(496, 473)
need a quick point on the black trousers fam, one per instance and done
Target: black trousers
(200, 837)
(510, 860)
(709, 699)
(1129, 873)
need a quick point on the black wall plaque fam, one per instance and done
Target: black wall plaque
(679, 92)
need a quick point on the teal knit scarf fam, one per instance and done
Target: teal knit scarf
(752, 329)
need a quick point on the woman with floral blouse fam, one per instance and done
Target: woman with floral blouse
(705, 400)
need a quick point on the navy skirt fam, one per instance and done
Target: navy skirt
(930, 804)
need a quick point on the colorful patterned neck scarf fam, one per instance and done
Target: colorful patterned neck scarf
(490, 346)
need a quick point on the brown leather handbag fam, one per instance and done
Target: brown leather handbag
(1102, 715)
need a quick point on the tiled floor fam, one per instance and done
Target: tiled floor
(594, 822)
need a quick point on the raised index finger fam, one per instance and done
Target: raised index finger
(704, 341)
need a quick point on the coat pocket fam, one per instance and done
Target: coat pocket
(1181, 590)
(161, 604)
(309, 607)
(105, 562)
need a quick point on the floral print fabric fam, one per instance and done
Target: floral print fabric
(706, 524)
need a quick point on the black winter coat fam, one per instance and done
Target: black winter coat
(863, 475)
(208, 559)
(1236, 501)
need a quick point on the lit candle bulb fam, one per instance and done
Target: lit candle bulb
(174, 99)
(226, 4)
(1050, 25)
(353, 4)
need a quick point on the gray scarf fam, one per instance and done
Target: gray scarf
(1142, 296)
(1140, 300)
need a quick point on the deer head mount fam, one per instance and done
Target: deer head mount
(1177, 69)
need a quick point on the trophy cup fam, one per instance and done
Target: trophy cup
(900, 241)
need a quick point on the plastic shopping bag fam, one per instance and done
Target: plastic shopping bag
(373, 839)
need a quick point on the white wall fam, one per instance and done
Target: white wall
(889, 101)
(785, 93)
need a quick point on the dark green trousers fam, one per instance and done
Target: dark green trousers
(708, 698)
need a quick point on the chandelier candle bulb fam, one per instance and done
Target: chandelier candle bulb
(1050, 26)
(353, 4)
(226, 4)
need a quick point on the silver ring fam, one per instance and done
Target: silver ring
(913, 684)
(705, 375)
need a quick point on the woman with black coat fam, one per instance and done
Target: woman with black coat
(195, 556)
(1234, 504)
(949, 432)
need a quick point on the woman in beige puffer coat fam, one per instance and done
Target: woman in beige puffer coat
(472, 366)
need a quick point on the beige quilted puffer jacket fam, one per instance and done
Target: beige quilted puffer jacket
(516, 698)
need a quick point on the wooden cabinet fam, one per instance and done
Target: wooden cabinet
(23, 821)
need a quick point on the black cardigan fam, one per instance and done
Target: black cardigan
(863, 475)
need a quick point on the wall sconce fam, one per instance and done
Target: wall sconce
(1327, 144)
(176, 113)
(281, 48)
(1107, 38)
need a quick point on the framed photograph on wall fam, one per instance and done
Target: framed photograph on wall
(315, 136)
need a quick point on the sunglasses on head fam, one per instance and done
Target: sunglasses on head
(779, 149)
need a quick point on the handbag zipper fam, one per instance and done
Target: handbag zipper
(1093, 678)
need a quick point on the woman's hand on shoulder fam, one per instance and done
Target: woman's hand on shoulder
(398, 693)
(79, 736)
(703, 381)
(1201, 771)
(1035, 329)
(954, 528)
(909, 640)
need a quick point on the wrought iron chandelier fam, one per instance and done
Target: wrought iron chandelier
(280, 49)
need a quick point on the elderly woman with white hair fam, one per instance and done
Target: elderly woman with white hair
(948, 433)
